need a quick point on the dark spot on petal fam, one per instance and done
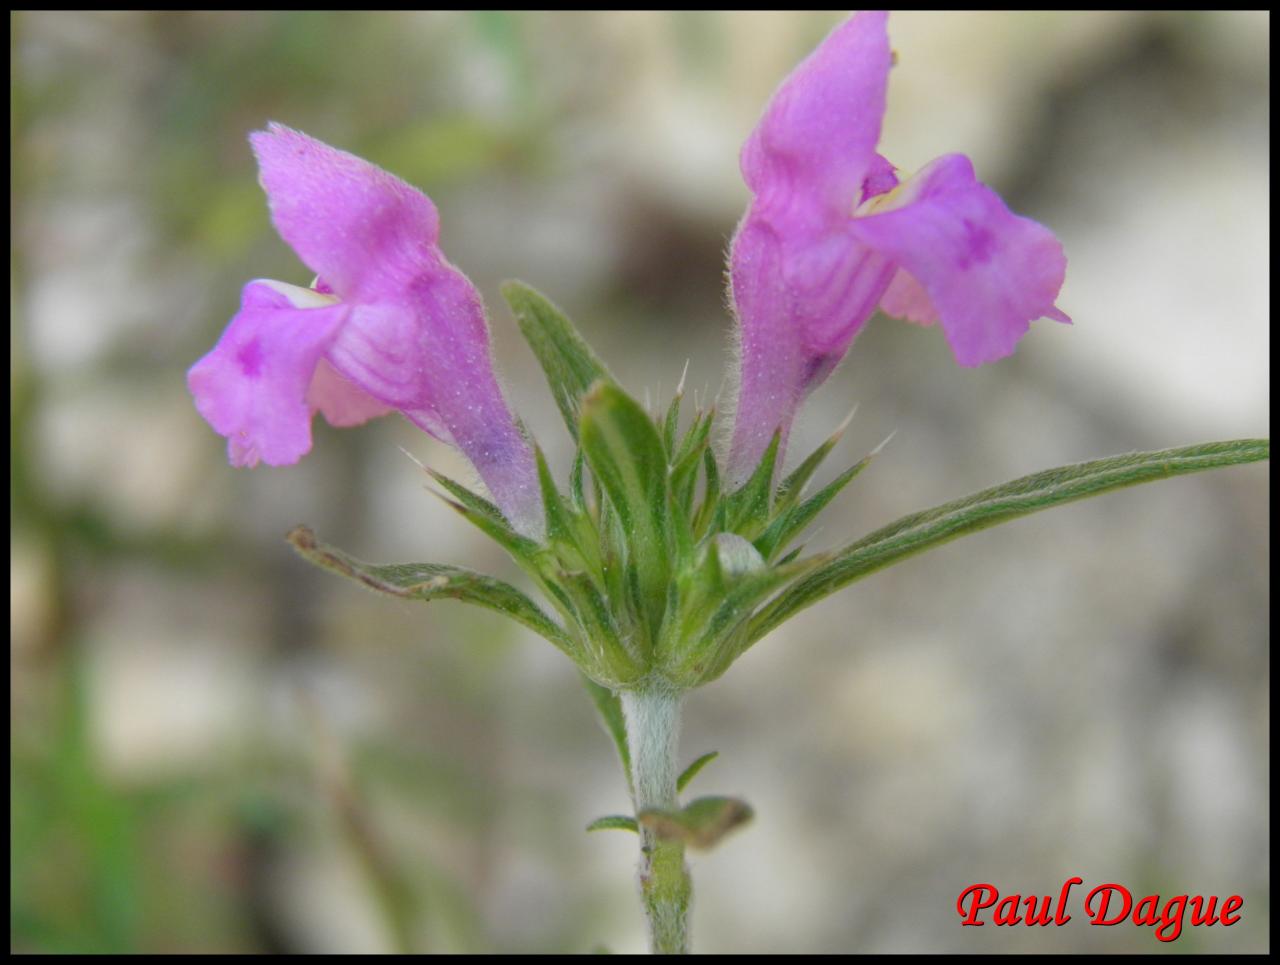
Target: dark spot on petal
(980, 245)
(250, 358)
(817, 368)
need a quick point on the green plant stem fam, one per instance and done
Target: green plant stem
(653, 723)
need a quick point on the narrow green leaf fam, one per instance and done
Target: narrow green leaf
(603, 642)
(711, 574)
(1021, 497)
(790, 523)
(433, 581)
(723, 637)
(682, 541)
(790, 489)
(699, 586)
(706, 636)
(625, 454)
(522, 549)
(614, 822)
(560, 524)
(575, 483)
(695, 438)
(683, 480)
(612, 552)
(466, 497)
(692, 770)
(486, 517)
(790, 557)
(684, 467)
(556, 594)
(672, 421)
(710, 495)
(701, 824)
(747, 508)
(571, 367)
(610, 709)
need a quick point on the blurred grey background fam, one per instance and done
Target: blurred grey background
(218, 748)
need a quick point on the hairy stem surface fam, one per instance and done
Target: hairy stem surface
(653, 725)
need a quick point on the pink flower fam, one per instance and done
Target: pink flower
(831, 234)
(388, 325)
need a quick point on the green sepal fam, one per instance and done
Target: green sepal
(560, 524)
(747, 509)
(614, 822)
(702, 823)
(612, 552)
(575, 483)
(625, 454)
(690, 772)
(608, 656)
(710, 497)
(487, 518)
(685, 463)
(717, 597)
(791, 488)
(790, 522)
(924, 530)
(571, 367)
(695, 439)
(723, 636)
(697, 589)
(672, 422)
(473, 501)
(610, 709)
(433, 581)
(792, 556)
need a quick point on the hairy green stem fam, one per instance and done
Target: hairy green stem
(653, 725)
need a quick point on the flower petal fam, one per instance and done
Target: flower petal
(771, 357)
(427, 354)
(799, 302)
(882, 177)
(252, 386)
(905, 298)
(987, 271)
(819, 133)
(363, 230)
(835, 282)
(341, 401)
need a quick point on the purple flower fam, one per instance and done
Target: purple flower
(831, 234)
(388, 325)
